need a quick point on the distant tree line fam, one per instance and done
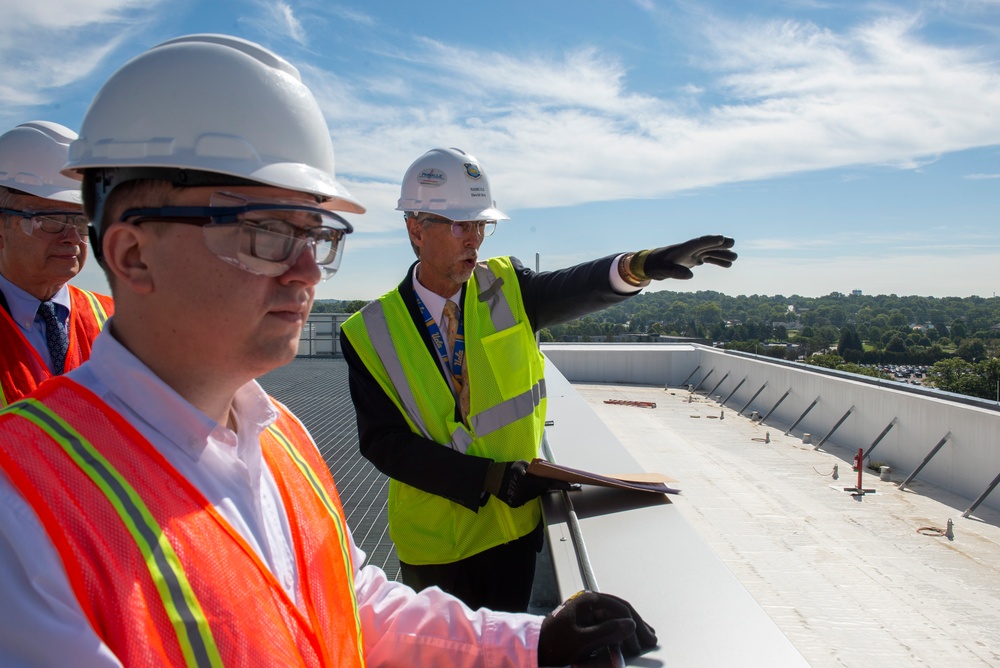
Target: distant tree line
(958, 337)
(338, 305)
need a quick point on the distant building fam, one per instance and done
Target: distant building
(856, 293)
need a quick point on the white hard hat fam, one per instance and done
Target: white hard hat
(207, 108)
(450, 183)
(31, 157)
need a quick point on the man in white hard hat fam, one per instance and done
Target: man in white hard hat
(46, 326)
(449, 384)
(156, 507)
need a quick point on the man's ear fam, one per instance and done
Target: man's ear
(125, 249)
(416, 230)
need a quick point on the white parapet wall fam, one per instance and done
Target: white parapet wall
(965, 465)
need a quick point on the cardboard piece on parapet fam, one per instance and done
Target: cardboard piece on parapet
(643, 482)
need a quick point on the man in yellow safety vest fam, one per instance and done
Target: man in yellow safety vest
(449, 385)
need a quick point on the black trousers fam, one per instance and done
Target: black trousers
(499, 578)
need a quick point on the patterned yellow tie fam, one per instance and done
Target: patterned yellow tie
(453, 314)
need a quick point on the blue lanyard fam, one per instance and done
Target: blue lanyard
(459, 348)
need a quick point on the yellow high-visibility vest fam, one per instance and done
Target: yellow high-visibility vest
(506, 409)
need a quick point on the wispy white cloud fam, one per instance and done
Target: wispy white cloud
(788, 96)
(20, 18)
(954, 241)
(876, 94)
(559, 125)
(380, 199)
(583, 77)
(353, 15)
(46, 46)
(901, 274)
(286, 20)
(785, 244)
(275, 21)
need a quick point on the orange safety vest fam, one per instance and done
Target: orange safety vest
(22, 368)
(162, 577)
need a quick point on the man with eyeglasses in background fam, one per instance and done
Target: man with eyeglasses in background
(448, 383)
(46, 326)
(157, 508)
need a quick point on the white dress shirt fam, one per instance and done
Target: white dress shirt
(24, 312)
(42, 624)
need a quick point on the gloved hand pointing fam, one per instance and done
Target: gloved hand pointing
(588, 621)
(511, 483)
(676, 261)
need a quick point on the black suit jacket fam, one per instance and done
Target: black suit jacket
(385, 438)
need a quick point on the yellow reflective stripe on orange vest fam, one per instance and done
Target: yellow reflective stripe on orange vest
(178, 598)
(338, 521)
(95, 305)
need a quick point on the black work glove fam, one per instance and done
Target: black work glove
(676, 261)
(587, 622)
(511, 483)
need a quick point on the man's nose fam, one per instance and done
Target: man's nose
(74, 234)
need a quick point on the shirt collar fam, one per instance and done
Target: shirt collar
(433, 301)
(133, 384)
(24, 307)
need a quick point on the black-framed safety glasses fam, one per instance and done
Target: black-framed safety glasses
(263, 237)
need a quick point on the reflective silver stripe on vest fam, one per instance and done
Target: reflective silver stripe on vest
(490, 291)
(509, 411)
(461, 439)
(188, 619)
(484, 423)
(378, 332)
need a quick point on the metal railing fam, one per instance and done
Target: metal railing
(321, 335)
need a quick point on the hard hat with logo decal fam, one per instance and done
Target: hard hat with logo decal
(31, 157)
(449, 183)
(206, 110)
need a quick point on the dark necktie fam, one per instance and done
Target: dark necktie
(453, 314)
(55, 336)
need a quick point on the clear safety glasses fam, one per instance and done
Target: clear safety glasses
(263, 237)
(462, 228)
(50, 222)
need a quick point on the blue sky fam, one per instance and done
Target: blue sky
(845, 145)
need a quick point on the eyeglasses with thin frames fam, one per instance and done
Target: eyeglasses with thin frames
(50, 222)
(463, 228)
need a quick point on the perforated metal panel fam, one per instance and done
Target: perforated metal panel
(316, 391)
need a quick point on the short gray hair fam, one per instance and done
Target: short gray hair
(8, 197)
(422, 218)
(8, 200)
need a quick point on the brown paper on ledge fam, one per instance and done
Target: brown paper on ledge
(643, 482)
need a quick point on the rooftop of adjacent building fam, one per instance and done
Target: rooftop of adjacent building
(850, 580)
